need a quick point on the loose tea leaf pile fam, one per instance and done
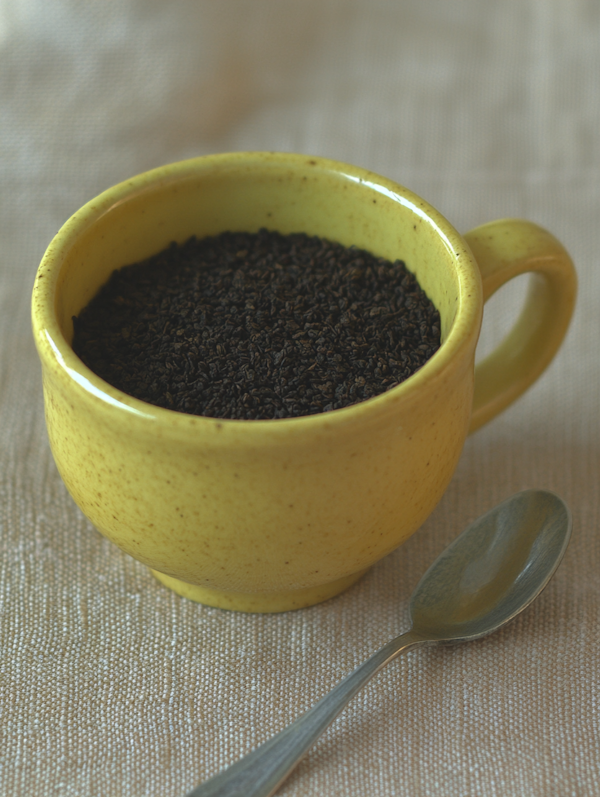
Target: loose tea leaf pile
(253, 326)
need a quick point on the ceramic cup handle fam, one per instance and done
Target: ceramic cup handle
(503, 250)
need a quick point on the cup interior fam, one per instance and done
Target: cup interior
(243, 192)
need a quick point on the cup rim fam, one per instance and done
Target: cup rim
(55, 351)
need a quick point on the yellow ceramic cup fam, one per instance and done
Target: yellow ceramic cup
(280, 514)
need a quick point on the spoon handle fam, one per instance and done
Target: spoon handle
(262, 771)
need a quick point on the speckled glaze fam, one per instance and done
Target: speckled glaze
(281, 514)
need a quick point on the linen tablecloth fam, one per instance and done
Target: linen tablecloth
(112, 685)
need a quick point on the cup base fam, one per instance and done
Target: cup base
(256, 601)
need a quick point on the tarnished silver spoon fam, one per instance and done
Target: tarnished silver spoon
(490, 573)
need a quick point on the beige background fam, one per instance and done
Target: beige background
(109, 684)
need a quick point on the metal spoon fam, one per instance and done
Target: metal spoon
(490, 573)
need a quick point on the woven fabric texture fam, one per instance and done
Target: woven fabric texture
(112, 685)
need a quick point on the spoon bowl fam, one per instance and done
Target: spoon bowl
(488, 575)
(493, 570)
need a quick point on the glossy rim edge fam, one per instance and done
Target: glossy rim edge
(54, 349)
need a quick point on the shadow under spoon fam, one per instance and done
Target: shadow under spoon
(488, 575)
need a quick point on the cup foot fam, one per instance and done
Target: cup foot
(256, 601)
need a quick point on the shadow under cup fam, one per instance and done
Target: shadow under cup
(257, 515)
